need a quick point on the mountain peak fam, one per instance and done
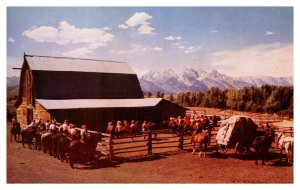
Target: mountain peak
(189, 72)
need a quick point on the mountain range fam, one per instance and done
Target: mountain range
(191, 80)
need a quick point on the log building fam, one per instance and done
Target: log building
(85, 91)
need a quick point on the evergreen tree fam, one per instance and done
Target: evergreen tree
(149, 94)
(171, 97)
(158, 94)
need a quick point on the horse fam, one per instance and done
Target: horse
(28, 134)
(55, 140)
(46, 141)
(40, 131)
(200, 139)
(262, 144)
(83, 151)
(63, 146)
(286, 143)
(14, 131)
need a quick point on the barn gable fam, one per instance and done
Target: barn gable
(68, 78)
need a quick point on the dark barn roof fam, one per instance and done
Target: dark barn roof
(68, 78)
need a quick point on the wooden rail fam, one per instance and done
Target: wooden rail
(110, 146)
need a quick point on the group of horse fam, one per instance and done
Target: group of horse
(58, 143)
(261, 144)
(73, 148)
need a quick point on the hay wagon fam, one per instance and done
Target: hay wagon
(236, 132)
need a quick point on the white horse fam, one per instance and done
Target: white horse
(286, 143)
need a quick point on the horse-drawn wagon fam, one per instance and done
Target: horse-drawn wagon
(236, 132)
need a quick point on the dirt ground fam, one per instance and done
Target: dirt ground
(32, 166)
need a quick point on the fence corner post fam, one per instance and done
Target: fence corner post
(181, 141)
(149, 143)
(110, 147)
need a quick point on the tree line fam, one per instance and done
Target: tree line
(270, 99)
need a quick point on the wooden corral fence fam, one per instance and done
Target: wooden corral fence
(148, 142)
(288, 131)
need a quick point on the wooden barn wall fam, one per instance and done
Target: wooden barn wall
(27, 109)
(37, 111)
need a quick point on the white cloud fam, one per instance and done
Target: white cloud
(106, 28)
(11, 40)
(123, 26)
(83, 52)
(275, 59)
(214, 31)
(157, 49)
(139, 19)
(172, 38)
(190, 50)
(146, 29)
(269, 33)
(69, 34)
(42, 34)
(122, 52)
(176, 44)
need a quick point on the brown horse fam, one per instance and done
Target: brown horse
(83, 151)
(28, 134)
(200, 139)
(262, 144)
(14, 131)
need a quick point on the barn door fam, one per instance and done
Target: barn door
(29, 115)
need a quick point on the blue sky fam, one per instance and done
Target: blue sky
(236, 41)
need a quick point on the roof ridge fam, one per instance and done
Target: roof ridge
(73, 58)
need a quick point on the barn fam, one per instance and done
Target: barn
(85, 91)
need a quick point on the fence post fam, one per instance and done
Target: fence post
(149, 143)
(181, 140)
(110, 147)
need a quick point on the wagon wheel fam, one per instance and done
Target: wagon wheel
(237, 148)
(223, 148)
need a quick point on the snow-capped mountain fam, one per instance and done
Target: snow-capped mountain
(166, 82)
(261, 80)
(191, 80)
